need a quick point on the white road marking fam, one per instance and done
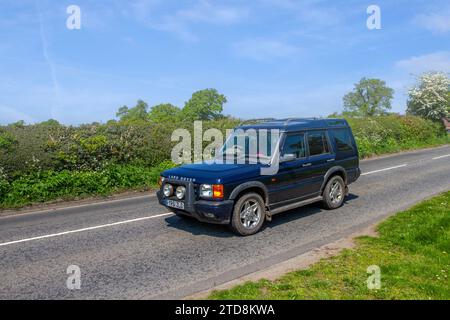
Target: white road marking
(85, 229)
(385, 169)
(440, 157)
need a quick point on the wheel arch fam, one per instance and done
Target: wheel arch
(336, 170)
(250, 186)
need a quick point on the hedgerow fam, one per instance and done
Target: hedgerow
(393, 133)
(49, 185)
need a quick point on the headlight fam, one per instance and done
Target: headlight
(214, 191)
(180, 192)
(206, 191)
(168, 189)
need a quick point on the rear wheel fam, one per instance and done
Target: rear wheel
(334, 193)
(248, 214)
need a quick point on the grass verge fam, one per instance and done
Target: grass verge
(412, 252)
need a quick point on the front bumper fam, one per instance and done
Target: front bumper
(217, 212)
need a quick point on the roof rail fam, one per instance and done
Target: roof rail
(286, 121)
(256, 120)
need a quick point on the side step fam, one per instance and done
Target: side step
(295, 205)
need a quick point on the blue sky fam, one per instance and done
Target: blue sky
(274, 58)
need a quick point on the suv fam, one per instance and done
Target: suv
(315, 160)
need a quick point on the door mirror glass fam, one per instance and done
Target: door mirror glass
(287, 157)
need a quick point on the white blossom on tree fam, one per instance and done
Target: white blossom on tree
(430, 97)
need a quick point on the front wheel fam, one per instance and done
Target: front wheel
(334, 193)
(248, 214)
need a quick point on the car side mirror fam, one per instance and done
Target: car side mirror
(287, 157)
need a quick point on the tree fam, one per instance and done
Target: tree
(18, 124)
(371, 97)
(50, 123)
(7, 140)
(430, 97)
(204, 105)
(139, 112)
(164, 112)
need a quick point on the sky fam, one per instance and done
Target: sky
(270, 58)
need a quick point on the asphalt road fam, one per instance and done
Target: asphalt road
(134, 249)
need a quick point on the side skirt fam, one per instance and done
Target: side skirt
(293, 206)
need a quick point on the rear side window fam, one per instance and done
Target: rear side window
(318, 143)
(295, 144)
(343, 139)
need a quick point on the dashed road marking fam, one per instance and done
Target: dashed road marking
(440, 157)
(385, 169)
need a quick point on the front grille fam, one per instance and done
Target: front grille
(190, 195)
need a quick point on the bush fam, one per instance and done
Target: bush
(393, 133)
(90, 147)
(4, 184)
(52, 185)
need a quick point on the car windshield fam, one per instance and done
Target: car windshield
(254, 145)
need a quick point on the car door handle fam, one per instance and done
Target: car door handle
(330, 160)
(306, 164)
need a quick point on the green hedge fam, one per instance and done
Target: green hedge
(66, 185)
(27, 149)
(393, 133)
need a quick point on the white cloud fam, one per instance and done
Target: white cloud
(437, 22)
(264, 49)
(437, 61)
(180, 22)
(206, 12)
(179, 28)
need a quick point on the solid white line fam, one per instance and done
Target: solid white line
(385, 169)
(85, 229)
(440, 157)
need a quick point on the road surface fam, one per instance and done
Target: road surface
(134, 249)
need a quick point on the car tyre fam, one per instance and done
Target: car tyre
(334, 193)
(248, 214)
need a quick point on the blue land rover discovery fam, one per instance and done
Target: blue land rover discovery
(314, 160)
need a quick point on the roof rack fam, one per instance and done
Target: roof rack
(257, 120)
(286, 121)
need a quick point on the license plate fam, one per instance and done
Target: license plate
(175, 204)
